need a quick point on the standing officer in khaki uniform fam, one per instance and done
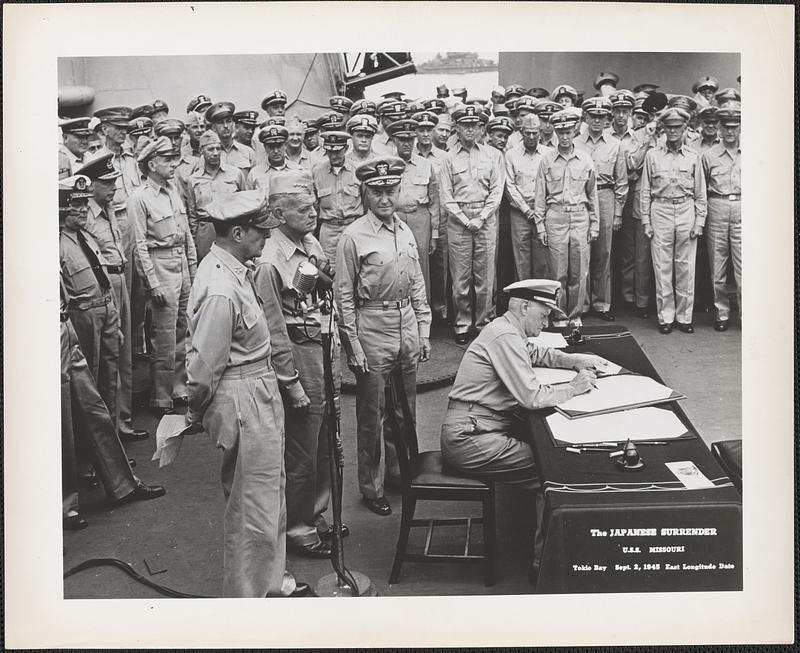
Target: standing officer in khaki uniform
(274, 103)
(102, 224)
(174, 129)
(722, 165)
(220, 118)
(612, 192)
(71, 153)
(673, 215)
(166, 260)
(417, 196)
(291, 202)
(362, 129)
(522, 164)
(295, 150)
(210, 180)
(385, 320)
(234, 396)
(338, 191)
(545, 110)
(273, 138)
(471, 189)
(245, 126)
(565, 210)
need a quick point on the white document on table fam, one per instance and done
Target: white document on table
(688, 474)
(616, 393)
(554, 375)
(638, 424)
(547, 339)
(169, 436)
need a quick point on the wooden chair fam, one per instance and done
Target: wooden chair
(423, 479)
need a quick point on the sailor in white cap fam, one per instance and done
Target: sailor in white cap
(484, 430)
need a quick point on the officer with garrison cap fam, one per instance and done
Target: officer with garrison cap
(166, 260)
(565, 211)
(471, 187)
(234, 396)
(385, 319)
(484, 433)
(673, 206)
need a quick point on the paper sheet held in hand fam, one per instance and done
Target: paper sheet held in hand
(637, 424)
(551, 375)
(618, 393)
(169, 436)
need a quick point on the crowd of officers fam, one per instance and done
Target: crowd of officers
(181, 241)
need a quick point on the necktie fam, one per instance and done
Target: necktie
(99, 273)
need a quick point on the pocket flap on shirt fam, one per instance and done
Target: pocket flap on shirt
(324, 192)
(250, 315)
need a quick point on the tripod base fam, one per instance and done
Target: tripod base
(328, 586)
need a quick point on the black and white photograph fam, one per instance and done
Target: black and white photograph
(466, 322)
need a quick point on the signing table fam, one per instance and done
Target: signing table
(612, 530)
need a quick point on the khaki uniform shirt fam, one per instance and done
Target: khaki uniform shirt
(204, 187)
(471, 175)
(497, 370)
(723, 170)
(566, 179)
(435, 156)
(238, 155)
(521, 169)
(673, 175)
(68, 162)
(130, 179)
(103, 227)
(339, 193)
(378, 262)
(159, 221)
(81, 280)
(259, 176)
(610, 165)
(303, 159)
(419, 191)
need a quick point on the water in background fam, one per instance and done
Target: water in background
(421, 86)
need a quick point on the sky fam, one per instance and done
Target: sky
(421, 57)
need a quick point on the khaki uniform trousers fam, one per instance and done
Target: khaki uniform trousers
(472, 268)
(329, 234)
(530, 256)
(438, 271)
(308, 481)
(419, 222)
(169, 327)
(724, 241)
(390, 340)
(245, 417)
(84, 414)
(97, 328)
(568, 254)
(478, 442)
(600, 255)
(643, 261)
(125, 388)
(624, 249)
(673, 255)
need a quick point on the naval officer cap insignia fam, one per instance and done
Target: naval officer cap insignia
(273, 134)
(160, 146)
(246, 117)
(434, 105)
(169, 126)
(145, 110)
(330, 121)
(638, 107)
(117, 116)
(381, 171)
(728, 94)
(514, 91)
(341, 103)
(467, 114)
(100, 168)
(291, 182)
(500, 110)
(362, 122)
(402, 129)
(275, 97)
(539, 93)
(600, 106)
(674, 116)
(312, 127)
(395, 110)
(547, 108)
(425, 119)
(606, 78)
(622, 99)
(199, 103)
(528, 103)
(730, 115)
(220, 111)
(566, 118)
(76, 126)
(334, 141)
(364, 106)
(565, 89)
(140, 126)
(501, 124)
(160, 105)
(75, 188)
(544, 291)
(246, 208)
(705, 82)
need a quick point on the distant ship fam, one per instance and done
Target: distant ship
(457, 62)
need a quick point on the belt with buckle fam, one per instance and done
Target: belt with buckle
(385, 305)
(115, 269)
(605, 186)
(571, 208)
(672, 200)
(75, 304)
(471, 205)
(733, 197)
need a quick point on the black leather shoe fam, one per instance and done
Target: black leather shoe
(321, 550)
(75, 523)
(606, 316)
(301, 590)
(326, 536)
(135, 435)
(686, 328)
(142, 493)
(131, 462)
(665, 328)
(462, 338)
(643, 313)
(379, 506)
(720, 325)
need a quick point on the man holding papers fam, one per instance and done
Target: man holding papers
(483, 433)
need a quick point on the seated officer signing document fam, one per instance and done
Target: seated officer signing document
(484, 429)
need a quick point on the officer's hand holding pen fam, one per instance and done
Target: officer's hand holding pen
(583, 381)
(424, 350)
(158, 296)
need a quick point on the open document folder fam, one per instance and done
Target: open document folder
(637, 424)
(169, 436)
(615, 393)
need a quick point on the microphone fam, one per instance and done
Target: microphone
(305, 278)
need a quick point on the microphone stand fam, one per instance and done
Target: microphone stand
(342, 582)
